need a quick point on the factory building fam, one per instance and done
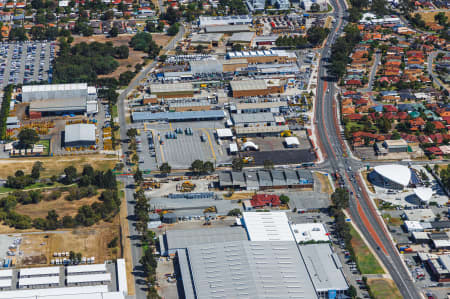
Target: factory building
(227, 29)
(250, 88)
(264, 56)
(242, 38)
(175, 90)
(240, 269)
(56, 91)
(263, 179)
(264, 107)
(205, 21)
(325, 270)
(207, 39)
(178, 116)
(78, 135)
(440, 267)
(58, 99)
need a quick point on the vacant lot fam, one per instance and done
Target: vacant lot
(381, 288)
(324, 183)
(428, 17)
(366, 261)
(134, 58)
(61, 206)
(90, 242)
(55, 165)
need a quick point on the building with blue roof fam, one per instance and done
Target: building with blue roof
(178, 116)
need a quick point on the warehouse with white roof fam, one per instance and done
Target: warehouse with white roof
(244, 269)
(267, 226)
(78, 135)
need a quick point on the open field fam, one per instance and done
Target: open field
(324, 183)
(90, 242)
(61, 206)
(55, 165)
(134, 57)
(397, 221)
(366, 261)
(381, 288)
(428, 16)
(239, 195)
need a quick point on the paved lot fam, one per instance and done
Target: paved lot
(26, 62)
(183, 150)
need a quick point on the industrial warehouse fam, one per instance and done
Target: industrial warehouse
(59, 99)
(263, 179)
(265, 238)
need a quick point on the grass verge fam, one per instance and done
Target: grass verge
(381, 288)
(366, 261)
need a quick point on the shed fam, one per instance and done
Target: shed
(291, 142)
(79, 135)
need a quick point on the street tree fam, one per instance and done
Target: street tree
(132, 133)
(197, 167)
(138, 176)
(208, 167)
(165, 168)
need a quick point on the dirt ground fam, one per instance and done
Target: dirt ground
(61, 206)
(90, 242)
(56, 165)
(324, 183)
(134, 57)
(429, 16)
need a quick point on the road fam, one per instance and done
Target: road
(433, 75)
(133, 235)
(362, 212)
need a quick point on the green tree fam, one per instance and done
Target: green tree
(352, 292)
(36, 170)
(27, 137)
(138, 176)
(237, 164)
(132, 133)
(234, 212)
(173, 29)
(317, 34)
(208, 167)
(70, 174)
(197, 167)
(122, 52)
(114, 32)
(284, 199)
(126, 77)
(165, 168)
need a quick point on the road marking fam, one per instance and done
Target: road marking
(170, 125)
(210, 144)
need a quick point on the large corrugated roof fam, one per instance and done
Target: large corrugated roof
(177, 239)
(241, 85)
(267, 226)
(54, 87)
(324, 267)
(80, 132)
(178, 116)
(244, 118)
(244, 269)
(173, 87)
(59, 105)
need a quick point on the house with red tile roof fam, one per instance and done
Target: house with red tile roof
(265, 200)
